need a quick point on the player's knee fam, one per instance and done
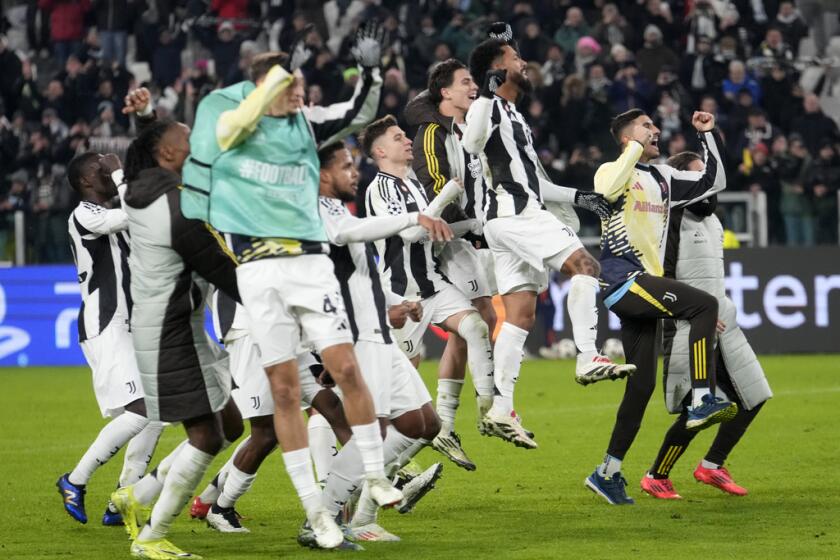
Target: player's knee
(209, 440)
(286, 396)
(233, 429)
(263, 440)
(347, 375)
(473, 329)
(487, 312)
(708, 305)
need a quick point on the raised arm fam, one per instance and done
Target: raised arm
(688, 187)
(236, 125)
(334, 122)
(343, 228)
(612, 176)
(483, 116)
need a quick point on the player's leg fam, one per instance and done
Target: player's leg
(640, 340)
(451, 373)
(581, 302)
(711, 469)
(323, 445)
(657, 481)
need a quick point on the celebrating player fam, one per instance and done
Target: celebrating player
(523, 236)
(633, 243)
(99, 235)
(694, 255)
(260, 143)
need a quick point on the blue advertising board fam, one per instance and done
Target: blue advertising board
(39, 311)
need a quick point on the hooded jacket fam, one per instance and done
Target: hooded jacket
(173, 261)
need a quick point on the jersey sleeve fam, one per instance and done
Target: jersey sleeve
(96, 220)
(688, 187)
(483, 117)
(612, 176)
(334, 122)
(343, 228)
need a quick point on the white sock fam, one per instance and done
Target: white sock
(697, 395)
(709, 465)
(366, 509)
(398, 450)
(235, 486)
(213, 490)
(508, 359)
(150, 486)
(610, 466)
(299, 466)
(448, 399)
(344, 478)
(475, 332)
(583, 311)
(138, 453)
(181, 481)
(110, 440)
(322, 444)
(369, 440)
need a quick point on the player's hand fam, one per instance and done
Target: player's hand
(721, 326)
(492, 80)
(593, 202)
(110, 163)
(136, 101)
(500, 30)
(368, 48)
(398, 315)
(642, 135)
(299, 54)
(415, 310)
(703, 122)
(437, 228)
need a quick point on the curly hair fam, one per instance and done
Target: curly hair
(142, 152)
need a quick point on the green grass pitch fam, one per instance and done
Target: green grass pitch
(518, 504)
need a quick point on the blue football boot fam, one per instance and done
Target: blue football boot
(713, 411)
(611, 489)
(74, 498)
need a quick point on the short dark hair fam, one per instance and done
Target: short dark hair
(483, 56)
(682, 160)
(76, 168)
(376, 129)
(142, 152)
(443, 76)
(327, 153)
(264, 62)
(620, 121)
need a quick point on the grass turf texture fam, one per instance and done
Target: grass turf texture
(518, 504)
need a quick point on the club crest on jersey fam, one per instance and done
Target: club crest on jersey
(475, 167)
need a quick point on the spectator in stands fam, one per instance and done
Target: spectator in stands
(756, 175)
(613, 28)
(657, 13)
(789, 21)
(11, 70)
(340, 17)
(114, 18)
(758, 131)
(654, 54)
(701, 72)
(225, 49)
(814, 126)
(776, 87)
(739, 79)
(66, 25)
(824, 181)
(166, 57)
(454, 34)
(247, 51)
(791, 161)
(631, 90)
(574, 27)
(568, 117)
(587, 52)
(533, 45)
(774, 47)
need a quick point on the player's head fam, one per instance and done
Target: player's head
(88, 177)
(451, 82)
(622, 127)
(290, 101)
(687, 161)
(384, 141)
(494, 54)
(339, 175)
(164, 143)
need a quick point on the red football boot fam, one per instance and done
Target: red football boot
(661, 488)
(719, 478)
(198, 509)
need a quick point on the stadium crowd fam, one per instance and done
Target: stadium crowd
(67, 65)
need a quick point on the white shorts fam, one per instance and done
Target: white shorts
(293, 300)
(521, 245)
(252, 394)
(391, 379)
(116, 378)
(436, 310)
(461, 263)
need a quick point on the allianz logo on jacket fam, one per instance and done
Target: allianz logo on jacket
(273, 174)
(647, 206)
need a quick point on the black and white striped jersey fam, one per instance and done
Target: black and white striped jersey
(410, 269)
(355, 269)
(100, 245)
(474, 199)
(513, 172)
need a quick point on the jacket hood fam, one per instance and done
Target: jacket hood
(421, 110)
(150, 185)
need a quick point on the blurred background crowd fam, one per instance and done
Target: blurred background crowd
(769, 70)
